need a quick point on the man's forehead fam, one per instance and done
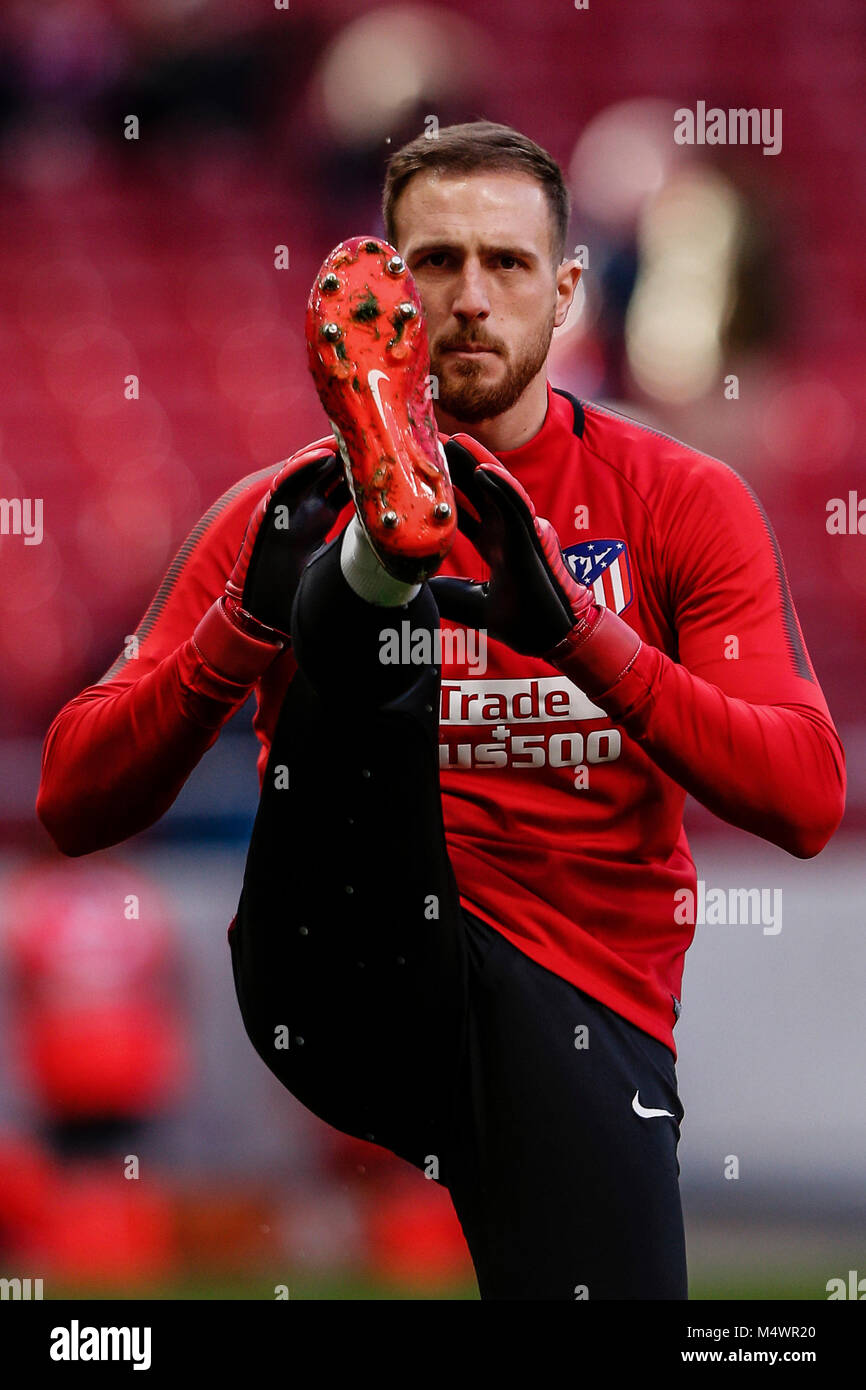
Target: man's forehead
(473, 206)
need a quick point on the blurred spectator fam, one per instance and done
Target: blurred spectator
(102, 1045)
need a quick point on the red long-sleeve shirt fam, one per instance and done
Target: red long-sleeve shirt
(563, 819)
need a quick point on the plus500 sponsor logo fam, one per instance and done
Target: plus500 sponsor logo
(501, 710)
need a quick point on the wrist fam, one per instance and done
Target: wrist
(597, 652)
(234, 644)
(250, 626)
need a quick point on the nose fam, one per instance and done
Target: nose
(470, 298)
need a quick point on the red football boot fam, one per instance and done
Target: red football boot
(368, 353)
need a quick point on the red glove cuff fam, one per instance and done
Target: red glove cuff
(234, 644)
(597, 652)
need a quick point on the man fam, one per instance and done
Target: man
(486, 980)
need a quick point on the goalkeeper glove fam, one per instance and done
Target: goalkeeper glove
(531, 602)
(250, 623)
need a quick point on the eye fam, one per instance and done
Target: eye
(508, 262)
(436, 259)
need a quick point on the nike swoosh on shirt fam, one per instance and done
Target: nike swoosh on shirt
(645, 1112)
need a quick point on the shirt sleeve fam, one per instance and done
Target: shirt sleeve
(116, 756)
(738, 719)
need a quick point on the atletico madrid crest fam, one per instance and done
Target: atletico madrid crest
(604, 567)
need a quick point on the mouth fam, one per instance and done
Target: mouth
(468, 350)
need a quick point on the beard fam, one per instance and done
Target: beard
(463, 393)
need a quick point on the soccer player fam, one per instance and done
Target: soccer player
(481, 703)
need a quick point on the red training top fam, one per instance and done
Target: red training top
(563, 818)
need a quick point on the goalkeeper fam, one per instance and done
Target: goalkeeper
(459, 934)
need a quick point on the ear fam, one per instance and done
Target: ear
(567, 275)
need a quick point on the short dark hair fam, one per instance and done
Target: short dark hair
(478, 145)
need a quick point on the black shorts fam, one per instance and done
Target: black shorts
(401, 1018)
